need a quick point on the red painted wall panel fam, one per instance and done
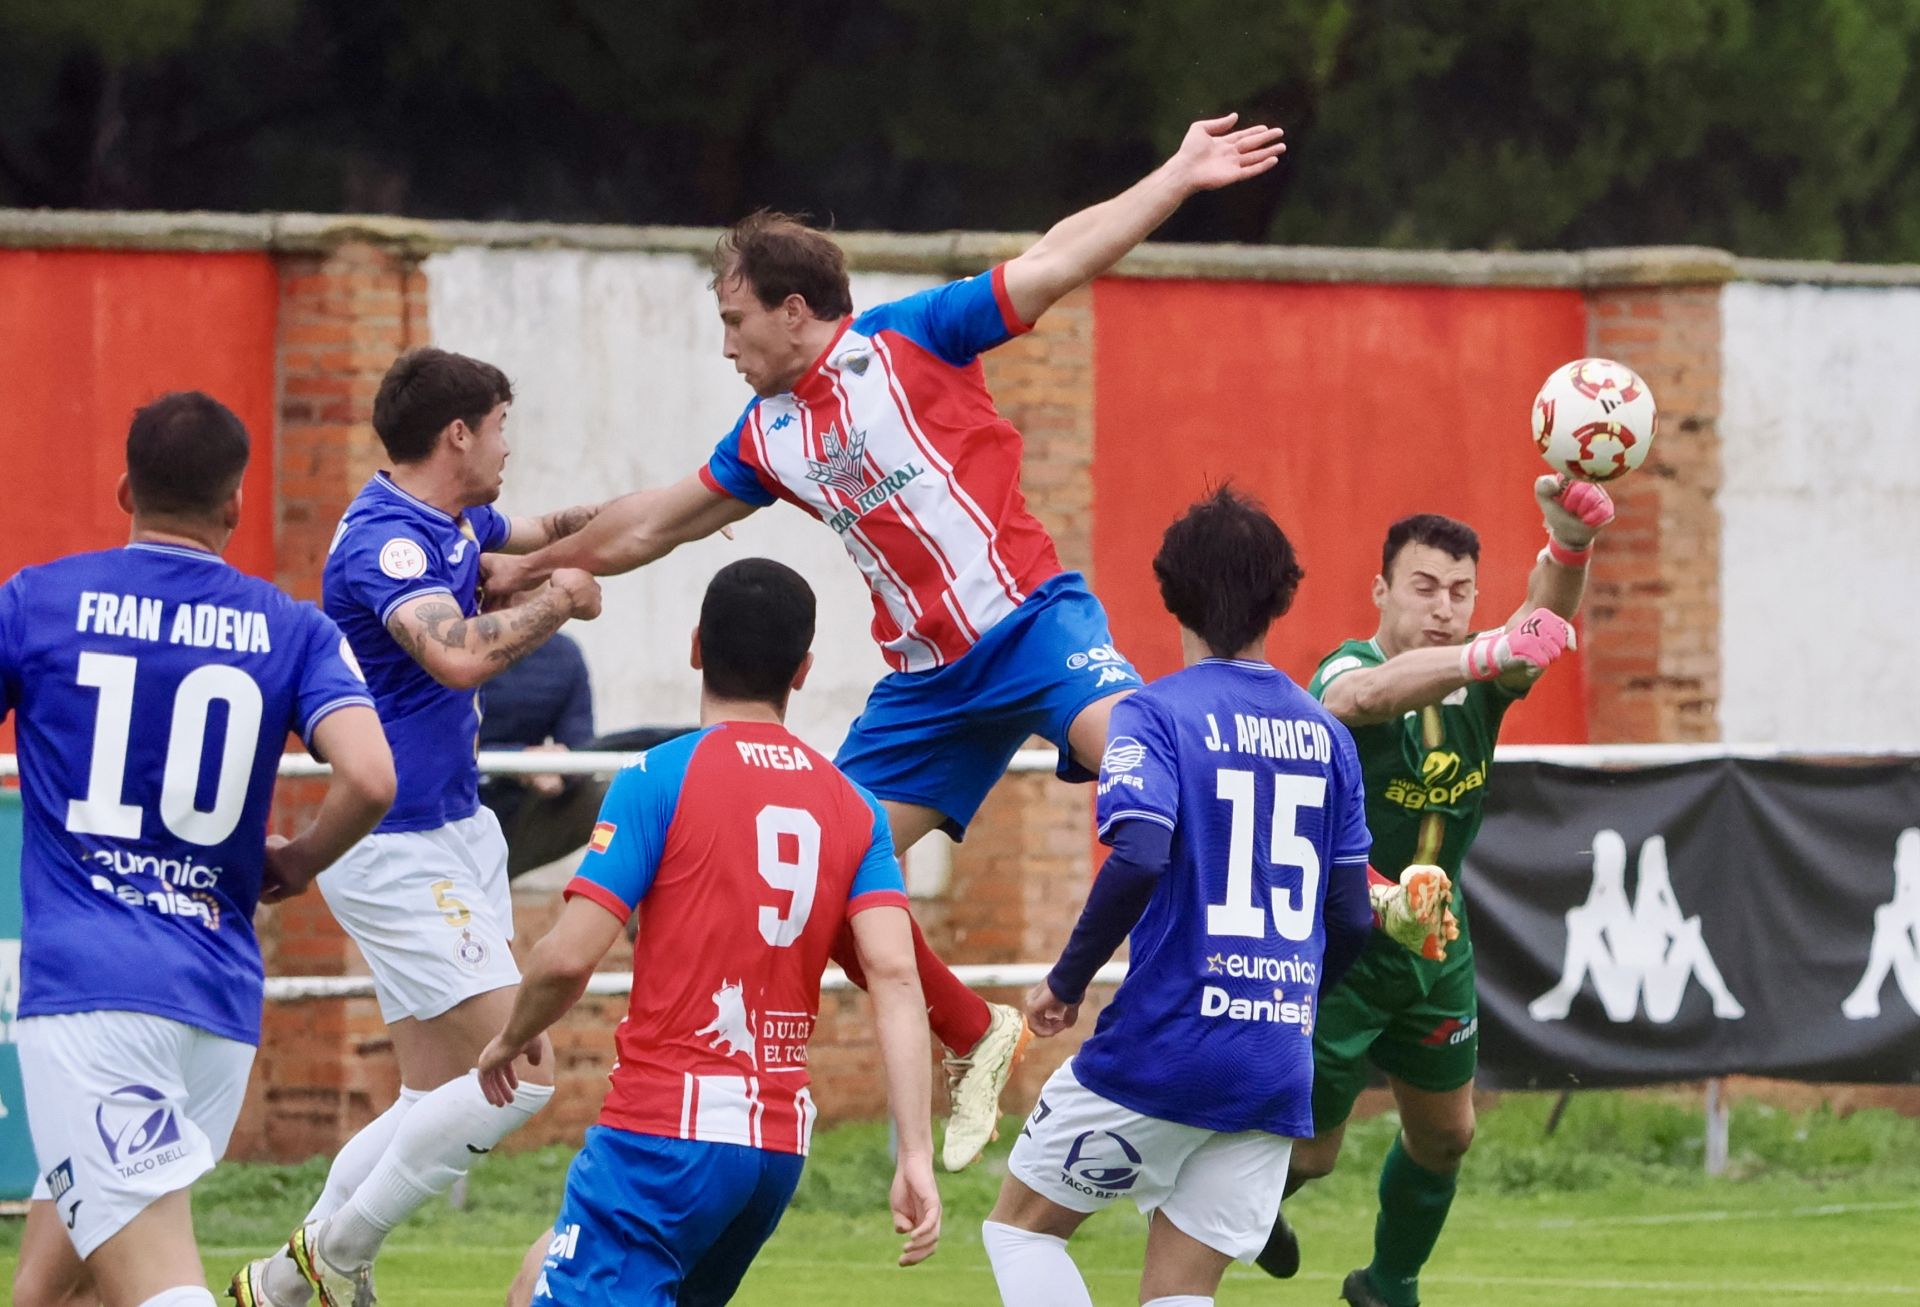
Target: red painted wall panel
(86, 337)
(1342, 408)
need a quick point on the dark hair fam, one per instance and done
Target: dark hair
(186, 452)
(425, 391)
(756, 625)
(1226, 571)
(779, 255)
(1455, 539)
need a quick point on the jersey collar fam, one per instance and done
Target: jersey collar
(178, 551)
(386, 482)
(1247, 663)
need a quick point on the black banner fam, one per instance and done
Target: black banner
(1703, 919)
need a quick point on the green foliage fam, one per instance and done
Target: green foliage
(1774, 127)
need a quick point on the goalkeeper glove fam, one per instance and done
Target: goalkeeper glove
(1575, 512)
(1416, 911)
(1533, 642)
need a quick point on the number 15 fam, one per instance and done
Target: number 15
(1240, 915)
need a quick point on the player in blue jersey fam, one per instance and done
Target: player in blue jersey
(425, 897)
(153, 688)
(746, 853)
(1233, 805)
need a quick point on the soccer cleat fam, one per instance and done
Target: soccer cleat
(1416, 912)
(1281, 1257)
(249, 1285)
(974, 1083)
(1358, 1290)
(335, 1287)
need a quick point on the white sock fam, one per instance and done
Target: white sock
(1180, 1300)
(434, 1146)
(283, 1283)
(1033, 1270)
(186, 1295)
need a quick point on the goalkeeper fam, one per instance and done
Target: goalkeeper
(1424, 700)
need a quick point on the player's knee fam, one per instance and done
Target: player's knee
(32, 1287)
(1306, 1166)
(1440, 1146)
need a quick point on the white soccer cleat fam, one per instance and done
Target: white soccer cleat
(974, 1084)
(335, 1287)
(1417, 913)
(251, 1284)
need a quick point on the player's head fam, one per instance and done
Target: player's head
(437, 405)
(755, 633)
(1227, 572)
(186, 455)
(777, 281)
(1429, 569)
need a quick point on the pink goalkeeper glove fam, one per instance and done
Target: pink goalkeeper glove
(1533, 642)
(1575, 513)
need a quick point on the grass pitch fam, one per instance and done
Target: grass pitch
(1612, 1209)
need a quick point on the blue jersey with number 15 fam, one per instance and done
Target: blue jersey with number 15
(153, 689)
(1261, 788)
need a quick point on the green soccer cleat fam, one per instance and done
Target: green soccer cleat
(974, 1085)
(1358, 1290)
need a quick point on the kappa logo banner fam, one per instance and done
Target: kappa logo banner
(1713, 918)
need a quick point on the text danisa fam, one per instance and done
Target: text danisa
(203, 626)
(1272, 737)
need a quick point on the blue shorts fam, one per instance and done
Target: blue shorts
(653, 1222)
(941, 739)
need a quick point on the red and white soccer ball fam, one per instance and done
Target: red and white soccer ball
(1594, 419)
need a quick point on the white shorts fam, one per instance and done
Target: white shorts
(1084, 1152)
(124, 1108)
(431, 913)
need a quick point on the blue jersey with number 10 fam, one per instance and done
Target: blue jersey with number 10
(1260, 786)
(153, 689)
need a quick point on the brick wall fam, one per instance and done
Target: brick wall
(1653, 603)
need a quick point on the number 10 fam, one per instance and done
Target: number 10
(1240, 915)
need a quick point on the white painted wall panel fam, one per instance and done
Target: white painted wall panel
(619, 383)
(1820, 556)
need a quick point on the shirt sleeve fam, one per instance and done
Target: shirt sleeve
(330, 677)
(624, 852)
(878, 882)
(955, 322)
(9, 647)
(1139, 773)
(491, 527)
(1334, 666)
(386, 564)
(728, 473)
(1352, 841)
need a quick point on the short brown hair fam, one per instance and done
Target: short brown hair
(1455, 539)
(186, 453)
(1227, 571)
(777, 255)
(426, 390)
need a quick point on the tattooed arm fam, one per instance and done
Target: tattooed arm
(531, 533)
(461, 652)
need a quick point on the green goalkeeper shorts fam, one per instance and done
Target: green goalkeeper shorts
(1415, 1020)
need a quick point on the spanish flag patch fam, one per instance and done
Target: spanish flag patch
(602, 838)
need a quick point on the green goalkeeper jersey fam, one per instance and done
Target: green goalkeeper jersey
(1425, 773)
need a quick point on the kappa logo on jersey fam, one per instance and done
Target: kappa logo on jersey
(1634, 950)
(1896, 937)
(402, 559)
(602, 838)
(780, 423)
(1101, 1163)
(732, 1024)
(138, 1127)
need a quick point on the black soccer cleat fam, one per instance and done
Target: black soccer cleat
(1281, 1257)
(1358, 1290)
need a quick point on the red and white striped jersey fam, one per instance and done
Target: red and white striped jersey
(891, 439)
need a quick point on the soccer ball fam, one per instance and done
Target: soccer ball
(1594, 419)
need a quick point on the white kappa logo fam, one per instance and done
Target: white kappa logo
(402, 559)
(1643, 948)
(731, 1024)
(1896, 937)
(1124, 754)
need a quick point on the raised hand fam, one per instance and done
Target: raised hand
(1213, 154)
(1575, 510)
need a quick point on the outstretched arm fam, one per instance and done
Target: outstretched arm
(624, 533)
(1576, 512)
(1079, 248)
(531, 533)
